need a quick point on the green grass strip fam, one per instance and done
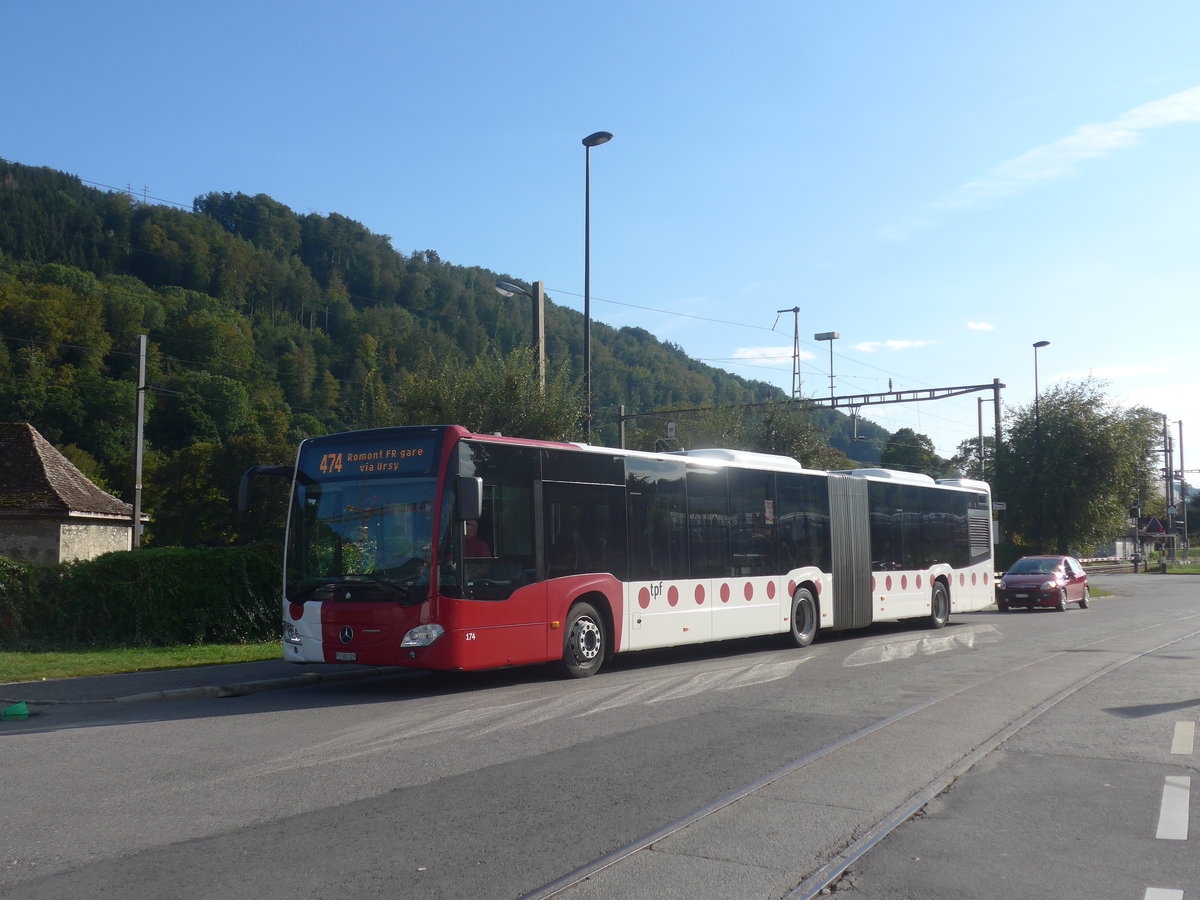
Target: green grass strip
(47, 665)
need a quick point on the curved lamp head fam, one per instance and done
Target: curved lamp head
(1041, 344)
(596, 139)
(507, 289)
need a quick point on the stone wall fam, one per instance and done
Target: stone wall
(87, 540)
(46, 542)
(30, 540)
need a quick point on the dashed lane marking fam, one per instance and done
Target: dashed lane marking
(1185, 738)
(1173, 813)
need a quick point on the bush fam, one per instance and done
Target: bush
(143, 598)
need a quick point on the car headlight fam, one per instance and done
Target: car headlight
(291, 634)
(1049, 585)
(423, 635)
(1000, 584)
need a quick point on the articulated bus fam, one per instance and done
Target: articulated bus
(436, 548)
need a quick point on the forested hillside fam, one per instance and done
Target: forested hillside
(267, 326)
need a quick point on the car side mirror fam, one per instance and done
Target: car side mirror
(470, 498)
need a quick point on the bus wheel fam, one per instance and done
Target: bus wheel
(804, 618)
(939, 606)
(585, 642)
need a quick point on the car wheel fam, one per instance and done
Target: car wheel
(1086, 598)
(585, 642)
(1061, 605)
(1002, 606)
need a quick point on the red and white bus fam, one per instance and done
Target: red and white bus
(437, 548)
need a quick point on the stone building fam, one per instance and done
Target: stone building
(49, 511)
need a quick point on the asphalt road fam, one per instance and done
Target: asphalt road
(732, 771)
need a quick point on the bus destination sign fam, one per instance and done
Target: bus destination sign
(369, 459)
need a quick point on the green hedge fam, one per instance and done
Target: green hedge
(143, 598)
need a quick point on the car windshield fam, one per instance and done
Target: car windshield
(1035, 567)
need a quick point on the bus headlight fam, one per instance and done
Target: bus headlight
(291, 634)
(423, 635)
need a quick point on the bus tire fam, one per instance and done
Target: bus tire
(939, 606)
(585, 642)
(804, 618)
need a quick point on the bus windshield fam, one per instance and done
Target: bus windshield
(361, 539)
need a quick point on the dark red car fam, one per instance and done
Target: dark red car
(1049, 581)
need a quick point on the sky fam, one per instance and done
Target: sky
(941, 183)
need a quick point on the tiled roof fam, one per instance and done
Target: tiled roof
(35, 477)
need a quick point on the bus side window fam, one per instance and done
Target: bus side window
(585, 529)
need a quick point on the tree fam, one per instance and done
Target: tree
(496, 393)
(967, 461)
(909, 451)
(1072, 465)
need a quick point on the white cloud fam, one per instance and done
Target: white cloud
(981, 326)
(778, 355)
(1056, 160)
(894, 346)
(1060, 158)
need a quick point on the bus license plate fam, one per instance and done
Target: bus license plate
(343, 656)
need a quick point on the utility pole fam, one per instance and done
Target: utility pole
(1169, 474)
(796, 385)
(139, 429)
(1183, 493)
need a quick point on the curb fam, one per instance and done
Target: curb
(240, 689)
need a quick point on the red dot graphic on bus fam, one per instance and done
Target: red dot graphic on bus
(644, 598)
(770, 590)
(748, 590)
(724, 593)
(962, 579)
(888, 584)
(985, 577)
(918, 581)
(673, 595)
(872, 583)
(791, 588)
(904, 582)
(296, 611)
(973, 577)
(821, 587)
(699, 594)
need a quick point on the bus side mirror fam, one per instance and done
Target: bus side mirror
(243, 494)
(470, 498)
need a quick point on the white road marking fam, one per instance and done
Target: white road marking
(1173, 813)
(1162, 894)
(905, 648)
(1185, 738)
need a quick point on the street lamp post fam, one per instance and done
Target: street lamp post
(1037, 397)
(830, 336)
(1037, 438)
(592, 140)
(507, 289)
